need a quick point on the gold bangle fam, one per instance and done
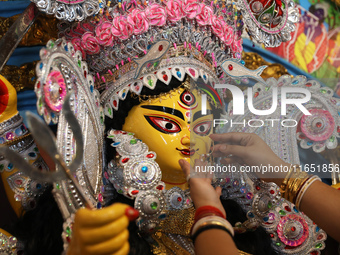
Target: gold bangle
(283, 185)
(292, 184)
(304, 188)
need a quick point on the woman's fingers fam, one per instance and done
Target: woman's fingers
(185, 165)
(218, 191)
(232, 160)
(233, 137)
(223, 150)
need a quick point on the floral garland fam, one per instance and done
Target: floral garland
(89, 38)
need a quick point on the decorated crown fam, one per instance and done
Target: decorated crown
(124, 30)
(131, 44)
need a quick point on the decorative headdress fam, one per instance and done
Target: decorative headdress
(164, 39)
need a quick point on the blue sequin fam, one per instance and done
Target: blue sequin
(38, 186)
(99, 205)
(242, 62)
(91, 89)
(162, 216)
(204, 77)
(2, 140)
(32, 154)
(265, 219)
(251, 215)
(317, 229)
(179, 74)
(123, 95)
(243, 189)
(10, 166)
(52, 115)
(18, 131)
(295, 210)
(66, 48)
(144, 169)
(115, 144)
(41, 65)
(309, 143)
(295, 82)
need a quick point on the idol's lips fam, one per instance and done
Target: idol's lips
(186, 152)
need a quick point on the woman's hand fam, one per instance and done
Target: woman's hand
(8, 100)
(248, 149)
(104, 231)
(244, 148)
(201, 191)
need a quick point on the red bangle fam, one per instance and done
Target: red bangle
(207, 210)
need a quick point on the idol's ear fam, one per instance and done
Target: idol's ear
(271, 21)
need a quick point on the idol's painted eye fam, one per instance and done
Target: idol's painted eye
(203, 128)
(163, 125)
(187, 98)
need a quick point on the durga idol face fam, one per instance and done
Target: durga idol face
(172, 126)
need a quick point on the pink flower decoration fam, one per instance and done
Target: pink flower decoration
(218, 26)
(236, 46)
(228, 35)
(156, 15)
(76, 44)
(121, 28)
(191, 8)
(174, 10)
(104, 34)
(89, 43)
(204, 18)
(139, 21)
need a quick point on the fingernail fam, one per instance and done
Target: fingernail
(223, 148)
(131, 213)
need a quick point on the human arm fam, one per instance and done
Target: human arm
(318, 200)
(211, 241)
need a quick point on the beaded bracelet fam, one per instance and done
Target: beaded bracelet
(207, 211)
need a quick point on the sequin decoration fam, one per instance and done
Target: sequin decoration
(61, 71)
(292, 230)
(70, 10)
(318, 126)
(55, 90)
(270, 21)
